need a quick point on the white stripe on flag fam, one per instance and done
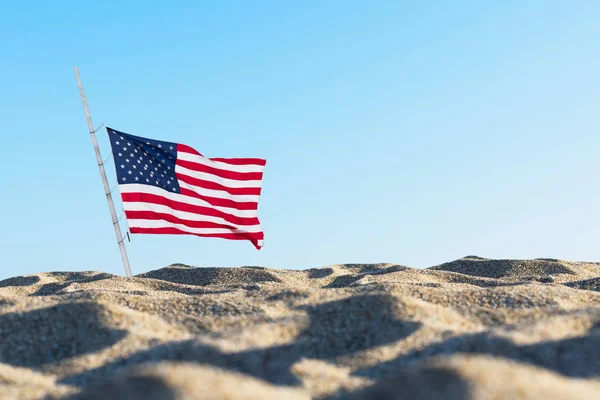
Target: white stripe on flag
(159, 208)
(182, 155)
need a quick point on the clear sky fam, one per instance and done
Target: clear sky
(394, 131)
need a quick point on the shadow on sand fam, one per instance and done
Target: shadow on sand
(576, 357)
(336, 328)
(418, 383)
(20, 281)
(48, 335)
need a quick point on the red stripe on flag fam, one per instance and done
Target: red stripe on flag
(233, 161)
(191, 208)
(241, 161)
(253, 237)
(188, 149)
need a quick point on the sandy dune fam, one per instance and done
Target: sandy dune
(469, 329)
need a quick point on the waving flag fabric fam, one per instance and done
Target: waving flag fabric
(170, 188)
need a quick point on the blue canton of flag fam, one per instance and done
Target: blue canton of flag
(145, 161)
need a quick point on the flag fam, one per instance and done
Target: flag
(170, 188)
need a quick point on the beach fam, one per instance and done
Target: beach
(474, 328)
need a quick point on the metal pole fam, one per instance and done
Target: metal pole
(109, 199)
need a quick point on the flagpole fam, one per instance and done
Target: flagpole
(109, 199)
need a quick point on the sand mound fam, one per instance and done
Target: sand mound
(229, 277)
(469, 329)
(543, 268)
(477, 377)
(186, 381)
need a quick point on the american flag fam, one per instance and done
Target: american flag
(170, 188)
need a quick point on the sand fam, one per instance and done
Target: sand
(469, 329)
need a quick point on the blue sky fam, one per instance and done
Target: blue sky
(394, 131)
